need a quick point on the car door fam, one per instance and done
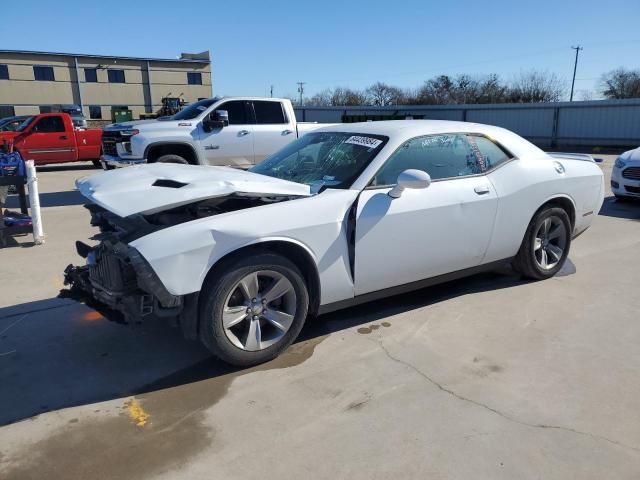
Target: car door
(272, 129)
(48, 141)
(427, 232)
(231, 145)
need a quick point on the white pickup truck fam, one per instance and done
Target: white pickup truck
(229, 131)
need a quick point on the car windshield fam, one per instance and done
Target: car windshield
(24, 124)
(192, 111)
(323, 159)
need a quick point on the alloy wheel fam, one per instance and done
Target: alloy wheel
(259, 310)
(550, 242)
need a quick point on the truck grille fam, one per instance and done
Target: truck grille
(109, 141)
(632, 173)
(112, 274)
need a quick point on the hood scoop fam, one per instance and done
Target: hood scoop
(165, 182)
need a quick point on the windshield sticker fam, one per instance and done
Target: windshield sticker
(328, 178)
(202, 108)
(364, 141)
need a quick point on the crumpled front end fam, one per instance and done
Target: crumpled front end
(116, 275)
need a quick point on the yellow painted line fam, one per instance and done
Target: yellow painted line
(136, 412)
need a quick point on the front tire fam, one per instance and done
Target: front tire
(546, 244)
(253, 309)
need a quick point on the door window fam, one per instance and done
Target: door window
(441, 156)
(269, 113)
(49, 125)
(237, 112)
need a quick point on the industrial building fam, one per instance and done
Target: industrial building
(35, 82)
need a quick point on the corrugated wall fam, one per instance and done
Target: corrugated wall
(597, 123)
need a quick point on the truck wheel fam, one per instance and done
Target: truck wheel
(96, 163)
(545, 245)
(172, 158)
(253, 309)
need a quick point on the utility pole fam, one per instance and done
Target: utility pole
(301, 90)
(575, 67)
(271, 92)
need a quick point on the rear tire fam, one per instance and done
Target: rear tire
(96, 163)
(172, 158)
(546, 244)
(240, 322)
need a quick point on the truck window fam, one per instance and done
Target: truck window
(237, 112)
(49, 125)
(269, 113)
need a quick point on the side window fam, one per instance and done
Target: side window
(441, 156)
(90, 75)
(269, 113)
(49, 125)
(489, 154)
(237, 112)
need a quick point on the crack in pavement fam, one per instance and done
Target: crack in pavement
(493, 410)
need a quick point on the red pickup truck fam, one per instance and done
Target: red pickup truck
(52, 138)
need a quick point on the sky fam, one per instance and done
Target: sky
(327, 43)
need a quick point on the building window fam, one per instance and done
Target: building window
(90, 75)
(43, 73)
(95, 112)
(4, 72)
(7, 111)
(194, 78)
(116, 76)
(46, 109)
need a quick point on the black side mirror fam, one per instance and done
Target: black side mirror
(216, 119)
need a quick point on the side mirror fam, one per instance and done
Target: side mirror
(216, 119)
(410, 179)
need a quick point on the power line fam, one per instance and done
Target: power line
(575, 67)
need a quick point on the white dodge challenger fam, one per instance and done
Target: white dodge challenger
(343, 215)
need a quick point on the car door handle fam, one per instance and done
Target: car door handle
(481, 189)
(287, 132)
(63, 137)
(242, 133)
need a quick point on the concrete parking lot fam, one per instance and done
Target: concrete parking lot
(488, 377)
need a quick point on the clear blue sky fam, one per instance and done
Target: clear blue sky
(349, 43)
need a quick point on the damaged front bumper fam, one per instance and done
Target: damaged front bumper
(117, 276)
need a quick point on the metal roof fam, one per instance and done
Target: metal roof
(190, 59)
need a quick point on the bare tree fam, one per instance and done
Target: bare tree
(382, 94)
(320, 99)
(536, 86)
(621, 83)
(345, 96)
(443, 90)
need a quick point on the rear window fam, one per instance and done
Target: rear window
(269, 113)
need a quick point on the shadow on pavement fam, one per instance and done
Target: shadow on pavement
(52, 199)
(612, 207)
(58, 353)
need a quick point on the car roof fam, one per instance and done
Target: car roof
(402, 130)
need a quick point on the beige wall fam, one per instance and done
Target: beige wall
(26, 94)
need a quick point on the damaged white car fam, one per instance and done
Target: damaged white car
(343, 215)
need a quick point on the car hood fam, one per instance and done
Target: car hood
(153, 124)
(161, 186)
(631, 155)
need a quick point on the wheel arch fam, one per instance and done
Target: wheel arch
(297, 252)
(155, 150)
(563, 201)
